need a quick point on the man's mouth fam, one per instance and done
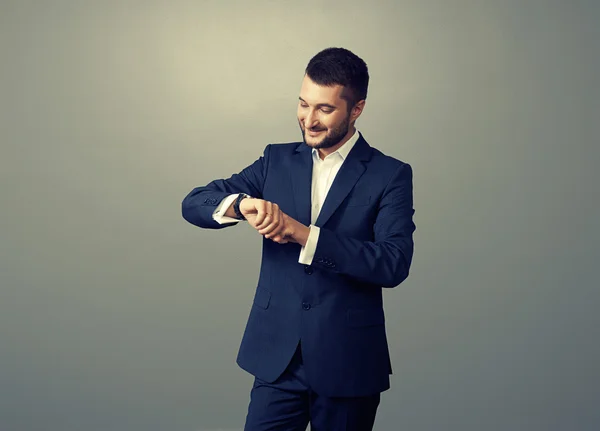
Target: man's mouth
(314, 132)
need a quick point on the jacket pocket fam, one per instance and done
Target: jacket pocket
(365, 317)
(262, 297)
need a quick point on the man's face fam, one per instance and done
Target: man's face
(322, 114)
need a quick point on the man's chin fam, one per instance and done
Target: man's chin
(312, 142)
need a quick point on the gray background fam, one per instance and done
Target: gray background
(116, 314)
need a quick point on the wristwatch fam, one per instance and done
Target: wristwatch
(236, 206)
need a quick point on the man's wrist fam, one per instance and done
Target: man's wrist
(301, 234)
(236, 206)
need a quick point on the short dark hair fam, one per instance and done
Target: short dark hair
(340, 66)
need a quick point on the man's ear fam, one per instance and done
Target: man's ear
(357, 110)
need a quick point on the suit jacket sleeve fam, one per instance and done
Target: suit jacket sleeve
(386, 261)
(200, 204)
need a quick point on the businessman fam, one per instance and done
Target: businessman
(336, 218)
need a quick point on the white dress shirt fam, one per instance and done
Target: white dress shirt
(323, 174)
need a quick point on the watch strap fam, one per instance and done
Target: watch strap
(236, 206)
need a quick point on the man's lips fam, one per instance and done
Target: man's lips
(314, 133)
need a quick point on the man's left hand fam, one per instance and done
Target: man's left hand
(289, 230)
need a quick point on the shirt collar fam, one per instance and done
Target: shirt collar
(344, 150)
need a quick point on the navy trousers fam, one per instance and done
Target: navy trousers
(289, 404)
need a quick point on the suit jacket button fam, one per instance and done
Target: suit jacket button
(306, 305)
(308, 269)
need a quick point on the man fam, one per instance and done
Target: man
(336, 219)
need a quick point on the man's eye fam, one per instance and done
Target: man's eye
(327, 111)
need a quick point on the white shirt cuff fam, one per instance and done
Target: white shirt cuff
(308, 251)
(218, 214)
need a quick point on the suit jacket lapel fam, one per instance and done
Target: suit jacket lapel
(349, 173)
(301, 174)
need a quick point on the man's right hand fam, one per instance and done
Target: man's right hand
(266, 216)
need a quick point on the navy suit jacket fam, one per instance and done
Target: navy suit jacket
(334, 306)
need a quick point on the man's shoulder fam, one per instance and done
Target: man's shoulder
(386, 161)
(380, 160)
(279, 150)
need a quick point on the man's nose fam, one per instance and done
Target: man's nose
(310, 120)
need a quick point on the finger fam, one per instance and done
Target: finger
(261, 212)
(272, 232)
(274, 220)
(268, 216)
(276, 214)
(279, 239)
(281, 235)
(279, 230)
(282, 228)
(276, 224)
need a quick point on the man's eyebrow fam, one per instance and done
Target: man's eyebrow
(320, 104)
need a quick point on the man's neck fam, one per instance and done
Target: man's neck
(324, 152)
